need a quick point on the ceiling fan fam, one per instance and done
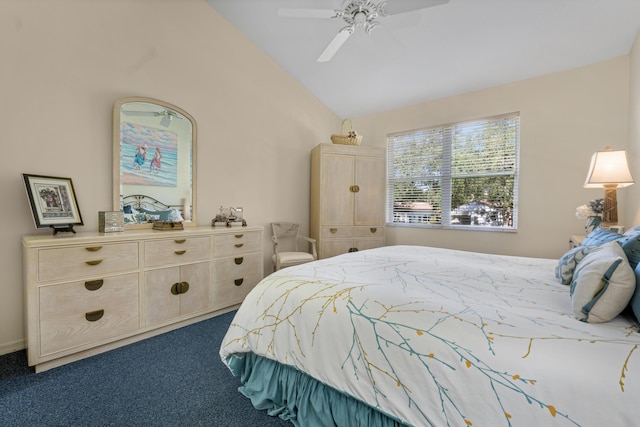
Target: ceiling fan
(166, 115)
(357, 14)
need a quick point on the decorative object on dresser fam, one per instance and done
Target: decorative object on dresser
(95, 292)
(167, 225)
(228, 216)
(286, 256)
(53, 202)
(347, 198)
(110, 221)
(609, 169)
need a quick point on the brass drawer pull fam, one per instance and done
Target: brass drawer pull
(239, 236)
(94, 316)
(179, 288)
(239, 245)
(353, 250)
(373, 229)
(93, 285)
(178, 241)
(238, 282)
(93, 248)
(180, 252)
(94, 262)
(333, 230)
(239, 260)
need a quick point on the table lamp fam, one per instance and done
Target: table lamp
(609, 170)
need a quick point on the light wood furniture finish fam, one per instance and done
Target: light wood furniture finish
(347, 198)
(91, 292)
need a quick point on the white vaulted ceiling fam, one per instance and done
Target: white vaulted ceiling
(461, 46)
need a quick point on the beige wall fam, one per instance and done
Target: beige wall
(564, 117)
(633, 192)
(63, 65)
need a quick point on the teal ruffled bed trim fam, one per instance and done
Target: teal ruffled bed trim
(292, 395)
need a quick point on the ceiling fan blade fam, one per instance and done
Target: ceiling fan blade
(307, 13)
(395, 7)
(335, 44)
(140, 113)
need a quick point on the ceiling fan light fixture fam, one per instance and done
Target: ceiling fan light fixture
(357, 14)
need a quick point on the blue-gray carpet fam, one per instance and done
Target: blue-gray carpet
(175, 379)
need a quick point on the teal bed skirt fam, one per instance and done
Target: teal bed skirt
(292, 395)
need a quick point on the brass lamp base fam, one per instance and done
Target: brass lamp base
(610, 212)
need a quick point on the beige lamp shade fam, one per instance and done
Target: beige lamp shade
(609, 168)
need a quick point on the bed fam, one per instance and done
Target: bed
(423, 336)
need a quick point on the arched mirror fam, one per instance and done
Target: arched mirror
(154, 162)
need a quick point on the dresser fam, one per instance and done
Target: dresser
(92, 292)
(347, 198)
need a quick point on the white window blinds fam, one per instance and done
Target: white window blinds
(458, 175)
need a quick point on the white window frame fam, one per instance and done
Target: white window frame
(396, 142)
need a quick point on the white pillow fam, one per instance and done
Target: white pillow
(602, 285)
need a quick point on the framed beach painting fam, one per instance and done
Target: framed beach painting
(53, 202)
(148, 156)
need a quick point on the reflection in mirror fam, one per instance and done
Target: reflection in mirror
(154, 161)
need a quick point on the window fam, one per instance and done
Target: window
(463, 175)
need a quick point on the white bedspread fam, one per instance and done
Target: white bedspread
(445, 338)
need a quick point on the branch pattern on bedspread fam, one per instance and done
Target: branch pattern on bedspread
(423, 336)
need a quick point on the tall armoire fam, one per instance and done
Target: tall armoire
(347, 198)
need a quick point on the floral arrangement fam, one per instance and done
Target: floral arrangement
(592, 212)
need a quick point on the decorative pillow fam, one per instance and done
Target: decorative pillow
(635, 299)
(567, 264)
(168, 215)
(631, 246)
(603, 284)
(632, 230)
(599, 236)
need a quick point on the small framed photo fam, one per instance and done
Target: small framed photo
(53, 202)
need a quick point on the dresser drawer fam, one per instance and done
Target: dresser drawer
(352, 231)
(88, 260)
(179, 250)
(71, 314)
(237, 268)
(231, 291)
(236, 243)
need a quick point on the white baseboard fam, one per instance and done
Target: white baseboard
(10, 347)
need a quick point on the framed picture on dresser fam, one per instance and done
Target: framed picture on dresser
(53, 201)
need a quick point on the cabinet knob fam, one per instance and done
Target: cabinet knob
(373, 229)
(93, 285)
(179, 288)
(94, 316)
(354, 188)
(180, 252)
(178, 241)
(93, 248)
(94, 262)
(238, 260)
(239, 236)
(238, 282)
(333, 230)
(353, 249)
(239, 245)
